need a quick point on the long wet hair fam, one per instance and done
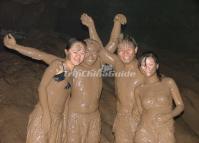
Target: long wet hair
(72, 41)
(151, 54)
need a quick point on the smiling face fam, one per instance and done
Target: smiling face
(126, 51)
(149, 66)
(76, 53)
(92, 50)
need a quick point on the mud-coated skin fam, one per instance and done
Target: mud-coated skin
(86, 91)
(115, 36)
(46, 120)
(10, 42)
(125, 126)
(57, 95)
(84, 101)
(35, 133)
(155, 101)
(84, 127)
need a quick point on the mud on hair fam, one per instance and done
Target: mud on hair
(151, 54)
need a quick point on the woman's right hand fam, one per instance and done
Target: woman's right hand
(9, 41)
(46, 122)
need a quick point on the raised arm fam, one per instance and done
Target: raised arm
(10, 42)
(109, 58)
(116, 34)
(89, 23)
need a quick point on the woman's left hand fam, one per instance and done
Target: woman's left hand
(87, 20)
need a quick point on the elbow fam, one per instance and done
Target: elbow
(180, 107)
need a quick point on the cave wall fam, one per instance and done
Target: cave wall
(173, 22)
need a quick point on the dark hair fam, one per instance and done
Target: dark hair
(72, 41)
(151, 54)
(129, 39)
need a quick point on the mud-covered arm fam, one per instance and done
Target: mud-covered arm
(10, 42)
(109, 58)
(116, 34)
(106, 54)
(89, 23)
(137, 108)
(176, 97)
(138, 104)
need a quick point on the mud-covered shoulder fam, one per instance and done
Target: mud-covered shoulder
(56, 66)
(56, 63)
(169, 81)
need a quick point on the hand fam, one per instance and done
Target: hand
(121, 18)
(163, 118)
(46, 122)
(86, 20)
(9, 41)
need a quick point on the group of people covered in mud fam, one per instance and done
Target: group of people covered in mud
(68, 106)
